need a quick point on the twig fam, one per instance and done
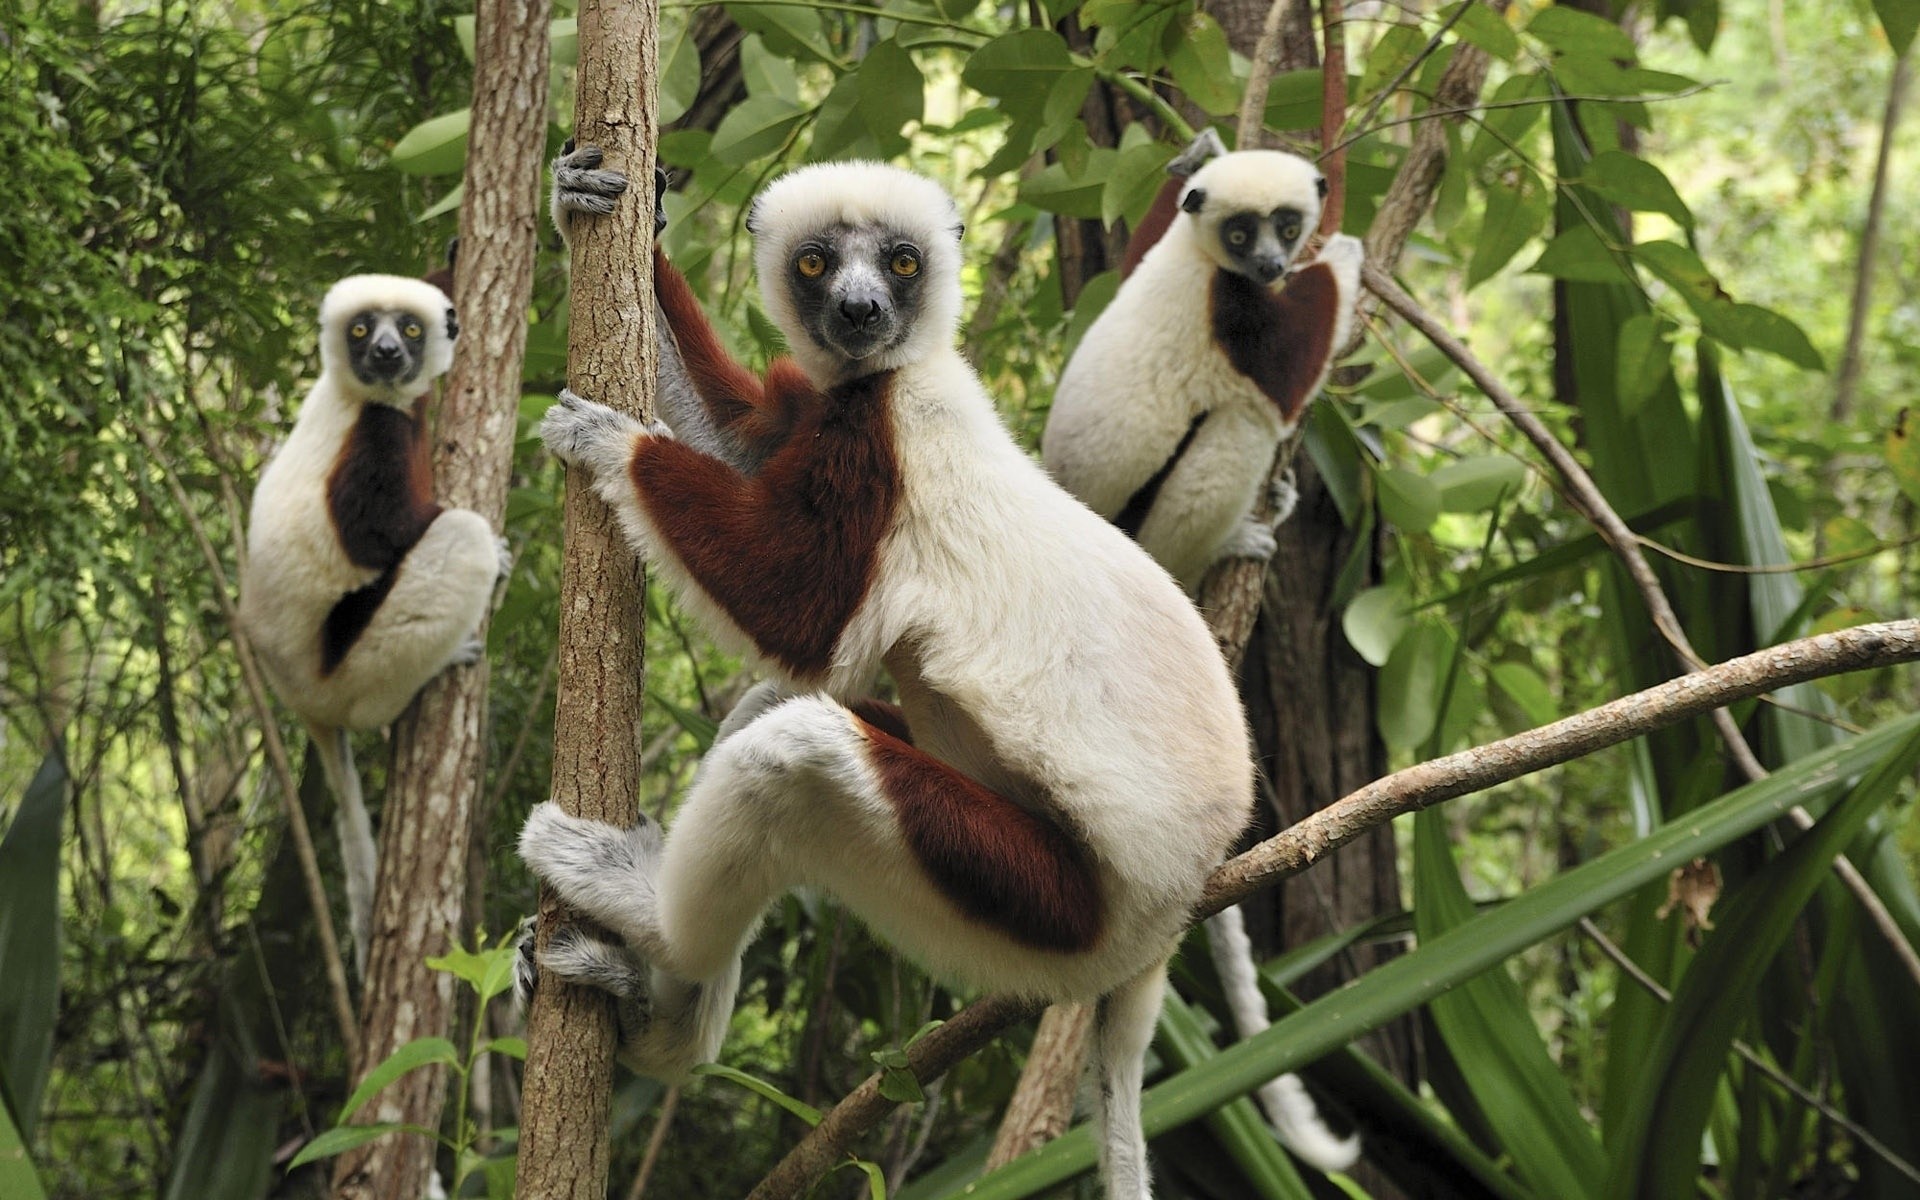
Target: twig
(1587, 499)
(655, 1140)
(276, 756)
(1253, 101)
(1295, 849)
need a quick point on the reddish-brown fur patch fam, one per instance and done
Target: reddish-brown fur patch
(999, 863)
(349, 618)
(789, 552)
(883, 716)
(736, 400)
(380, 496)
(1153, 225)
(1280, 341)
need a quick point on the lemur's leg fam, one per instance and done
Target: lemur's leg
(1123, 1026)
(427, 619)
(807, 793)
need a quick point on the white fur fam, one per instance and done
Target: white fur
(1149, 365)
(1035, 648)
(297, 570)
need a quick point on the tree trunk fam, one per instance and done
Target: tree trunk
(596, 744)
(440, 745)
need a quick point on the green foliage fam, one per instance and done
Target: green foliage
(30, 950)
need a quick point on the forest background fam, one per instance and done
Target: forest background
(1670, 230)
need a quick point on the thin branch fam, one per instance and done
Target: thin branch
(1848, 379)
(1587, 499)
(1294, 850)
(1253, 101)
(289, 791)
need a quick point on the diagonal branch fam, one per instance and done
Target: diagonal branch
(1294, 850)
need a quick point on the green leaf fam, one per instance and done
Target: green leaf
(1404, 983)
(892, 92)
(1202, 66)
(1518, 1089)
(789, 30)
(766, 73)
(1481, 26)
(1513, 109)
(436, 146)
(512, 1047)
(703, 728)
(1517, 210)
(756, 128)
(1472, 485)
(1397, 48)
(18, 1179)
(1634, 183)
(1900, 18)
(224, 1146)
(1530, 693)
(1579, 255)
(680, 66)
(1410, 683)
(1138, 172)
(806, 1112)
(1239, 1126)
(1581, 35)
(897, 1082)
(1646, 358)
(347, 1137)
(1408, 500)
(445, 204)
(30, 942)
(1658, 1154)
(418, 1053)
(1018, 68)
(1293, 100)
(1751, 327)
(1903, 453)
(1375, 621)
(1072, 194)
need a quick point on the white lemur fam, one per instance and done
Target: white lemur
(358, 588)
(1068, 761)
(1167, 418)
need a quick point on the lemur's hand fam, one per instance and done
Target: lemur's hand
(582, 185)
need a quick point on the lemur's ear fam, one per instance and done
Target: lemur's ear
(453, 326)
(753, 218)
(1320, 185)
(959, 230)
(1192, 199)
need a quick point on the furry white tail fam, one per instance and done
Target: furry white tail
(358, 855)
(1288, 1107)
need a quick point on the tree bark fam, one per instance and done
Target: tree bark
(596, 744)
(440, 744)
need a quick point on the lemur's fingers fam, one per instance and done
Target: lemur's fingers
(505, 553)
(1285, 496)
(1250, 539)
(659, 200)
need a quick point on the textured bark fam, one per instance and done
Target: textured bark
(597, 705)
(1042, 1105)
(440, 744)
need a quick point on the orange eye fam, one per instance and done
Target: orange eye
(906, 264)
(359, 329)
(412, 329)
(811, 264)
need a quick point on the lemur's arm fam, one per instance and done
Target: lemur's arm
(760, 414)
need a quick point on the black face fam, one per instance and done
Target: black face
(857, 291)
(386, 345)
(1260, 247)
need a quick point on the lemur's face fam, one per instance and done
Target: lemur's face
(857, 291)
(386, 345)
(1253, 210)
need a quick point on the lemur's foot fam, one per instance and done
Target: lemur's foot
(1285, 497)
(470, 651)
(1250, 539)
(578, 957)
(505, 555)
(606, 872)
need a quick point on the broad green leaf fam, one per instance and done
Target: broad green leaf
(1239, 1126)
(766, 73)
(1397, 47)
(839, 129)
(1530, 693)
(445, 204)
(1404, 983)
(1634, 183)
(1138, 173)
(1473, 484)
(1751, 327)
(1374, 622)
(703, 728)
(436, 146)
(1513, 109)
(1410, 683)
(1481, 26)
(760, 1087)
(224, 1146)
(1410, 501)
(1658, 1154)
(489, 971)
(1072, 194)
(892, 92)
(759, 126)
(18, 1179)
(512, 1047)
(680, 66)
(790, 30)
(30, 942)
(1293, 100)
(1646, 358)
(1018, 68)
(1682, 270)
(1202, 65)
(346, 1137)
(418, 1053)
(1517, 209)
(1580, 256)
(1900, 18)
(897, 1082)
(1903, 453)
(1581, 35)
(1515, 1084)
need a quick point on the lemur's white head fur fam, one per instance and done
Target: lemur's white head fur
(872, 212)
(364, 302)
(1244, 205)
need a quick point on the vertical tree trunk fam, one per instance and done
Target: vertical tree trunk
(596, 744)
(440, 745)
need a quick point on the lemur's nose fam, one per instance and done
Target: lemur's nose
(385, 349)
(860, 311)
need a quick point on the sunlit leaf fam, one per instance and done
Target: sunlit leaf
(1474, 484)
(1411, 502)
(1634, 183)
(348, 1137)
(1408, 700)
(436, 146)
(1374, 622)
(755, 129)
(418, 1053)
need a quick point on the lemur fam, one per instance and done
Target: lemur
(1068, 760)
(1167, 418)
(358, 588)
